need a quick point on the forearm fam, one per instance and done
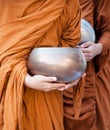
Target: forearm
(103, 57)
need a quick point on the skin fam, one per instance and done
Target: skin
(43, 83)
(91, 49)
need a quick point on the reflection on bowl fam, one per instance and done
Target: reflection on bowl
(67, 64)
(87, 32)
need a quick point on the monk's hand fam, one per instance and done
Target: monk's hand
(90, 49)
(72, 84)
(69, 85)
(42, 83)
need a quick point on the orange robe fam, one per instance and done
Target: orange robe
(87, 115)
(95, 110)
(25, 24)
(99, 16)
(102, 25)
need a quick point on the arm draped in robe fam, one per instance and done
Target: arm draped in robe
(97, 13)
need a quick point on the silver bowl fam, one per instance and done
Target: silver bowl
(67, 64)
(87, 32)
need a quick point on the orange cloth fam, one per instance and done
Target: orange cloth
(87, 110)
(102, 61)
(95, 112)
(26, 24)
(98, 15)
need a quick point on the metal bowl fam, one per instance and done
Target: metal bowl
(67, 64)
(87, 32)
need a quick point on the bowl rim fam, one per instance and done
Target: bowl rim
(90, 27)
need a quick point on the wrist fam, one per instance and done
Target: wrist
(27, 81)
(100, 47)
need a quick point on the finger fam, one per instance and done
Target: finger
(72, 84)
(84, 75)
(53, 86)
(57, 85)
(88, 55)
(69, 85)
(88, 58)
(86, 44)
(61, 89)
(49, 79)
(86, 50)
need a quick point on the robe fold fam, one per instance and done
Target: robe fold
(99, 17)
(25, 24)
(87, 116)
(95, 112)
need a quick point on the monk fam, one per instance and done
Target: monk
(33, 102)
(95, 113)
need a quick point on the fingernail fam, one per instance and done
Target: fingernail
(54, 78)
(82, 45)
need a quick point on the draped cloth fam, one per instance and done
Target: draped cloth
(23, 26)
(87, 115)
(97, 13)
(102, 62)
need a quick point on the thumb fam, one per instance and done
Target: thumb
(50, 79)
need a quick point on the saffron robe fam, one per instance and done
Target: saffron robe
(25, 24)
(99, 17)
(87, 115)
(97, 13)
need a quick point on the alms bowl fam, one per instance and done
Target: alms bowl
(67, 64)
(87, 32)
